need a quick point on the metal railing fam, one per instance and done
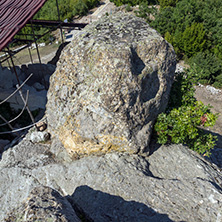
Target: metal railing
(25, 107)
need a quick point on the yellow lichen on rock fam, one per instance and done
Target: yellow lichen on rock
(77, 145)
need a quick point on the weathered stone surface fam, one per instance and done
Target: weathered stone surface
(109, 86)
(173, 184)
(43, 204)
(39, 136)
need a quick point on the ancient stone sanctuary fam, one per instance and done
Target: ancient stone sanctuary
(97, 165)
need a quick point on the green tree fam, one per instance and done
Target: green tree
(80, 8)
(167, 3)
(207, 67)
(133, 2)
(193, 39)
(145, 11)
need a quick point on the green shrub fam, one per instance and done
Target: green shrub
(167, 3)
(218, 81)
(128, 8)
(181, 126)
(145, 11)
(208, 68)
(132, 2)
(182, 92)
(184, 116)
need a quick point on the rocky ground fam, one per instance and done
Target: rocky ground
(112, 187)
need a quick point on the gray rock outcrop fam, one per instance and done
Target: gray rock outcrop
(43, 204)
(35, 85)
(109, 86)
(173, 184)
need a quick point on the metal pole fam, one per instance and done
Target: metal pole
(59, 20)
(8, 64)
(37, 49)
(30, 54)
(13, 67)
(36, 45)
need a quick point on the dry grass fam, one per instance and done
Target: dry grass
(46, 54)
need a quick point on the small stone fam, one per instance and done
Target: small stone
(213, 90)
(37, 137)
(41, 126)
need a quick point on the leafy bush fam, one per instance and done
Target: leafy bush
(184, 116)
(208, 68)
(182, 91)
(168, 3)
(128, 8)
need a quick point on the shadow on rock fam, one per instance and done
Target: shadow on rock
(55, 59)
(216, 153)
(95, 205)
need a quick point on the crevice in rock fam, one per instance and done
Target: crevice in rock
(216, 183)
(137, 63)
(150, 87)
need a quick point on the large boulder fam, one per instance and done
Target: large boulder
(173, 184)
(109, 86)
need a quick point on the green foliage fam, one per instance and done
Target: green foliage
(124, 2)
(192, 40)
(194, 28)
(168, 3)
(181, 123)
(128, 8)
(145, 11)
(133, 2)
(81, 8)
(182, 91)
(68, 9)
(208, 68)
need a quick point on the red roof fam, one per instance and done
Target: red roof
(14, 14)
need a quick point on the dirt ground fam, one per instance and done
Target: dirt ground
(46, 54)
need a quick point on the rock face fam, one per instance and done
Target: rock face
(109, 86)
(44, 204)
(173, 184)
(35, 85)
